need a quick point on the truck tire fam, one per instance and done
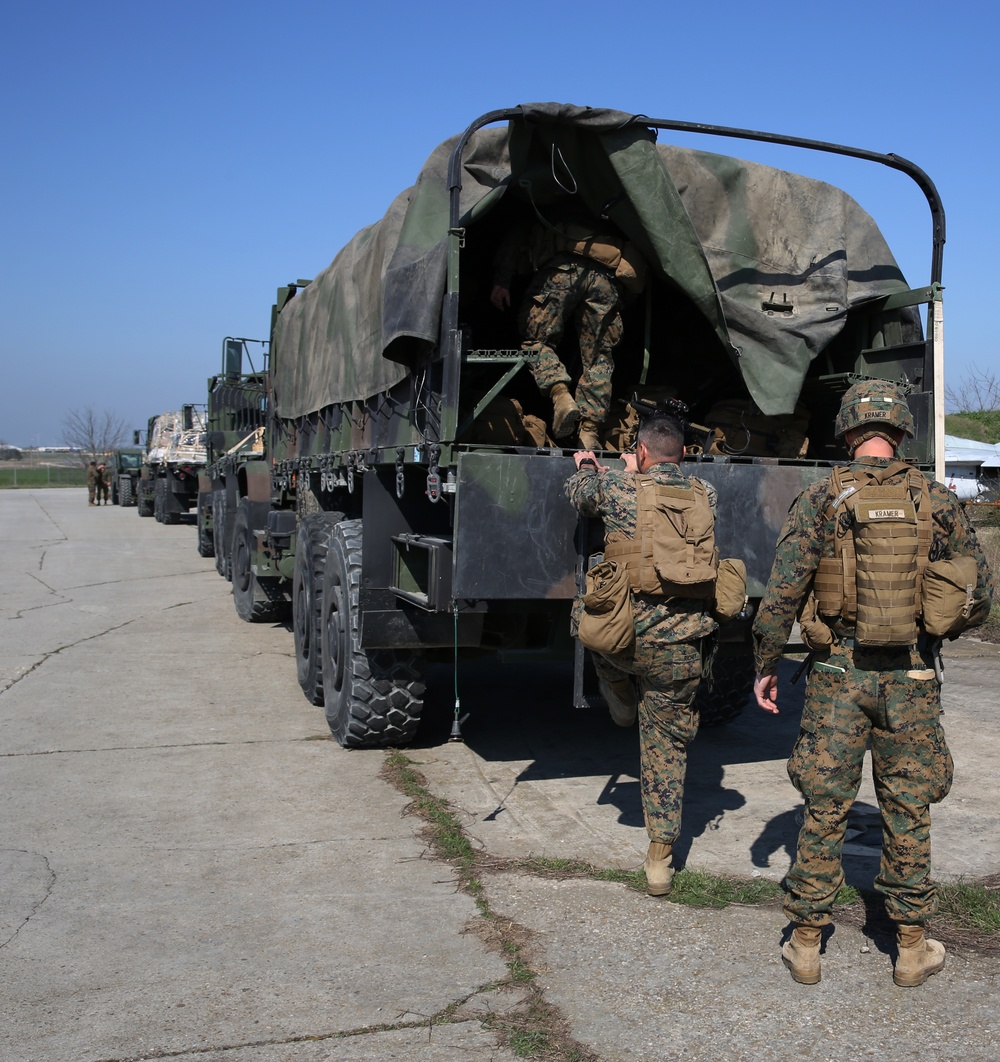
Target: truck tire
(206, 544)
(256, 600)
(373, 697)
(145, 504)
(158, 501)
(732, 686)
(311, 547)
(170, 515)
(125, 492)
(219, 545)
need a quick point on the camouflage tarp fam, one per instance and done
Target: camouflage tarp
(727, 233)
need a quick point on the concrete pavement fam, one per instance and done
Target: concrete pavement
(192, 869)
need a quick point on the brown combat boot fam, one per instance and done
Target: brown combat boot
(565, 412)
(659, 872)
(589, 439)
(918, 957)
(622, 699)
(801, 954)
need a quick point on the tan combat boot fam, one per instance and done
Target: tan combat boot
(659, 872)
(622, 699)
(801, 954)
(565, 412)
(589, 439)
(918, 958)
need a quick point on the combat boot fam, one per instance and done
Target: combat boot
(918, 957)
(801, 954)
(622, 698)
(659, 872)
(589, 439)
(565, 412)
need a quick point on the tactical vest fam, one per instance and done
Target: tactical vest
(673, 552)
(882, 536)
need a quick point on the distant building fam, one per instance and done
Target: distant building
(971, 468)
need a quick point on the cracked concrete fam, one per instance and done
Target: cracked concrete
(187, 871)
(193, 870)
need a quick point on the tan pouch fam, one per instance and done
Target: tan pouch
(730, 589)
(815, 633)
(606, 624)
(946, 595)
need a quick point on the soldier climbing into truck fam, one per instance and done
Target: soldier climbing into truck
(408, 505)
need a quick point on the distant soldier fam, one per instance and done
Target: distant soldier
(93, 477)
(103, 483)
(854, 562)
(658, 675)
(579, 269)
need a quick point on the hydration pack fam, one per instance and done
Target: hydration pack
(673, 552)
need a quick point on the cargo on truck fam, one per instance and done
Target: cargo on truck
(175, 454)
(409, 501)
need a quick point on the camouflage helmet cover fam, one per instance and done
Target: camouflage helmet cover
(873, 402)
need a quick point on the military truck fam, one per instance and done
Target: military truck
(126, 464)
(236, 408)
(175, 454)
(411, 498)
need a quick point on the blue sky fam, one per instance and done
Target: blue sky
(166, 166)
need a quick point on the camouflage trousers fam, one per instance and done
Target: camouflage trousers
(668, 675)
(573, 290)
(889, 698)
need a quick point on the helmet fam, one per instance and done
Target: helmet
(873, 402)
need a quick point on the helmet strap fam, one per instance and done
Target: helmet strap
(891, 435)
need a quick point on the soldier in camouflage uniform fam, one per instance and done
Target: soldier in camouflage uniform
(93, 477)
(566, 287)
(858, 694)
(658, 676)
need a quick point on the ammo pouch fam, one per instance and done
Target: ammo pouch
(815, 633)
(606, 624)
(947, 596)
(730, 589)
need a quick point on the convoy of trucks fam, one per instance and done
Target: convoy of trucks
(386, 475)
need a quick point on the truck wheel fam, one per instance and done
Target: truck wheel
(206, 545)
(145, 504)
(311, 547)
(158, 501)
(256, 600)
(732, 686)
(170, 515)
(125, 491)
(373, 697)
(222, 565)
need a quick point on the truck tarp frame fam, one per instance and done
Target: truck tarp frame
(706, 223)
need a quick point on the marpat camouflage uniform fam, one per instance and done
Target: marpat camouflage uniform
(889, 697)
(566, 288)
(666, 657)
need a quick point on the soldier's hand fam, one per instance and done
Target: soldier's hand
(500, 297)
(588, 455)
(631, 462)
(765, 689)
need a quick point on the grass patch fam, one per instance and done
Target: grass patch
(971, 906)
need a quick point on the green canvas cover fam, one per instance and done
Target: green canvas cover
(727, 233)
